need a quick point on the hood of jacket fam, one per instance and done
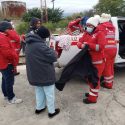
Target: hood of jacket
(107, 25)
(31, 38)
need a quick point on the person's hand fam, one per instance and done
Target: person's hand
(79, 19)
(56, 53)
(15, 59)
(83, 45)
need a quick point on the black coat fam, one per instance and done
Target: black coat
(81, 65)
(39, 61)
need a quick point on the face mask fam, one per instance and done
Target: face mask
(89, 29)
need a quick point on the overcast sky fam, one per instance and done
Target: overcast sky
(66, 5)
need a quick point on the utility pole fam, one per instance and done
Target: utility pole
(53, 3)
(44, 13)
(41, 8)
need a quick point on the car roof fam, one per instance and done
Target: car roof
(121, 18)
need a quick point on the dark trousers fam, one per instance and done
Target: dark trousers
(8, 81)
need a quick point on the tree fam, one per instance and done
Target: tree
(113, 7)
(89, 13)
(55, 15)
(35, 12)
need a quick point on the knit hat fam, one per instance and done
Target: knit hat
(93, 21)
(4, 25)
(105, 18)
(97, 17)
(43, 32)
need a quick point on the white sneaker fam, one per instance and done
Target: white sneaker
(15, 101)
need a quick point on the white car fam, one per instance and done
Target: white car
(66, 45)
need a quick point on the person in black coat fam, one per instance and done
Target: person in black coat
(40, 70)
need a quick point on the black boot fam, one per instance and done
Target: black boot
(86, 94)
(102, 85)
(102, 79)
(86, 101)
(39, 111)
(107, 87)
(16, 73)
(57, 111)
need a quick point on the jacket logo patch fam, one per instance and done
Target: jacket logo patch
(111, 41)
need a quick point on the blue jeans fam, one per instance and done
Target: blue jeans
(45, 96)
(8, 82)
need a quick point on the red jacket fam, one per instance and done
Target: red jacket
(96, 42)
(75, 25)
(7, 52)
(110, 47)
(14, 39)
(109, 31)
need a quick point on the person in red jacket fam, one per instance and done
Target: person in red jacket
(15, 40)
(75, 26)
(110, 50)
(8, 59)
(95, 38)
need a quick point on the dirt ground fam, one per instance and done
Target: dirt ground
(109, 110)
